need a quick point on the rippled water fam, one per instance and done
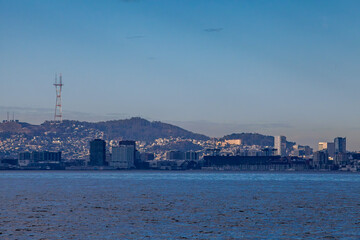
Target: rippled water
(178, 205)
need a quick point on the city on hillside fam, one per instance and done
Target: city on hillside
(73, 145)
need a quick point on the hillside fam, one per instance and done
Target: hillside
(134, 128)
(252, 139)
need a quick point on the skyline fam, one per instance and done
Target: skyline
(40, 116)
(277, 68)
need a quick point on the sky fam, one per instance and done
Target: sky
(214, 67)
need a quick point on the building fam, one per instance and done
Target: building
(175, 155)
(329, 147)
(45, 156)
(31, 158)
(299, 150)
(322, 146)
(24, 159)
(320, 159)
(340, 145)
(233, 141)
(268, 151)
(124, 155)
(280, 145)
(192, 156)
(341, 159)
(97, 153)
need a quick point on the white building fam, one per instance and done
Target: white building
(280, 145)
(123, 156)
(233, 142)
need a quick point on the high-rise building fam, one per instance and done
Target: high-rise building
(341, 157)
(329, 147)
(340, 145)
(123, 156)
(322, 146)
(280, 145)
(97, 153)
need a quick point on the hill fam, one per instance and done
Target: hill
(251, 139)
(133, 128)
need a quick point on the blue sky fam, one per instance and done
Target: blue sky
(215, 67)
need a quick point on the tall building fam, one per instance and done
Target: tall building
(123, 156)
(97, 153)
(280, 145)
(340, 145)
(329, 147)
(322, 146)
(340, 151)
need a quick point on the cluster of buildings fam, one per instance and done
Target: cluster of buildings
(124, 155)
(72, 146)
(332, 154)
(34, 160)
(286, 156)
(215, 155)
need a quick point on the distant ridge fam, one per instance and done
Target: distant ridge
(251, 139)
(134, 128)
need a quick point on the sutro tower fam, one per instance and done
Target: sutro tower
(58, 110)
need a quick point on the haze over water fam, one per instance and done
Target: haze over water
(179, 205)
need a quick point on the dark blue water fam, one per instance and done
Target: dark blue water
(179, 205)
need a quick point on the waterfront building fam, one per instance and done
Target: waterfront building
(124, 155)
(24, 159)
(45, 156)
(97, 153)
(27, 158)
(280, 145)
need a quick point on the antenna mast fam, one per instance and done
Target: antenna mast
(58, 109)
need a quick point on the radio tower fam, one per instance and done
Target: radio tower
(58, 110)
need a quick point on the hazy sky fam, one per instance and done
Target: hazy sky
(215, 67)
